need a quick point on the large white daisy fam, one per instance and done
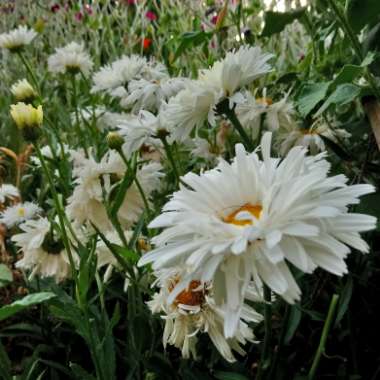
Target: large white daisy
(247, 220)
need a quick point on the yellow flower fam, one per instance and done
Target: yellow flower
(23, 91)
(28, 119)
(26, 116)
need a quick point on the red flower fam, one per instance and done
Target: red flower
(55, 8)
(151, 16)
(79, 16)
(146, 43)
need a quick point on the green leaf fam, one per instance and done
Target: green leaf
(344, 300)
(348, 74)
(275, 22)
(294, 321)
(5, 364)
(362, 12)
(221, 375)
(6, 275)
(310, 95)
(344, 94)
(30, 300)
(190, 39)
(80, 373)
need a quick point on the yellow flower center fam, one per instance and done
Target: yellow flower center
(21, 212)
(254, 210)
(264, 101)
(194, 295)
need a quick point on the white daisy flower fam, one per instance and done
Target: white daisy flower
(251, 110)
(245, 220)
(23, 91)
(17, 38)
(113, 79)
(138, 131)
(19, 213)
(189, 109)
(311, 138)
(192, 312)
(150, 94)
(8, 191)
(238, 69)
(93, 183)
(42, 257)
(71, 58)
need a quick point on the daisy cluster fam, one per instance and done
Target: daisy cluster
(238, 224)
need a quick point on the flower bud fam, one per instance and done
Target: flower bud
(114, 140)
(28, 119)
(23, 91)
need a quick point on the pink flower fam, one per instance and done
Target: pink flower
(79, 16)
(151, 16)
(214, 19)
(88, 9)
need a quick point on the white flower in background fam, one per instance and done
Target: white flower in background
(245, 220)
(86, 204)
(139, 130)
(251, 110)
(311, 138)
(189, 109)
(113, 79)
(237, 69)
(105, 258)
(71, 58)
(201, 148)
(37, 257)
(23, 91)
(9, 192)
(19, 213)
(17, 38)
(149, 178)
(47, 152)
(192, 312)
(150, 94)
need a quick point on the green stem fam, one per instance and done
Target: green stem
(29, 70)
(223, 108)
(60, 212)
(78, 130)
(265, 353)
(325, 333)
(138, 184)
(170, 157)
(345, 25)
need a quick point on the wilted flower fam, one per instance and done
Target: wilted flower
(8, 191)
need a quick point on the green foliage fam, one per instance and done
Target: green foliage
(29, 300)
(275, 22)
(361, 13)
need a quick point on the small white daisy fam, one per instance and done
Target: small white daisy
(19, 213)
(8, 191)
(17, 38)
(71, 58)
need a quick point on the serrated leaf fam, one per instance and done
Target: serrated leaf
(30, 300)
(344, 94)
(310, 95)
(275, 22)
